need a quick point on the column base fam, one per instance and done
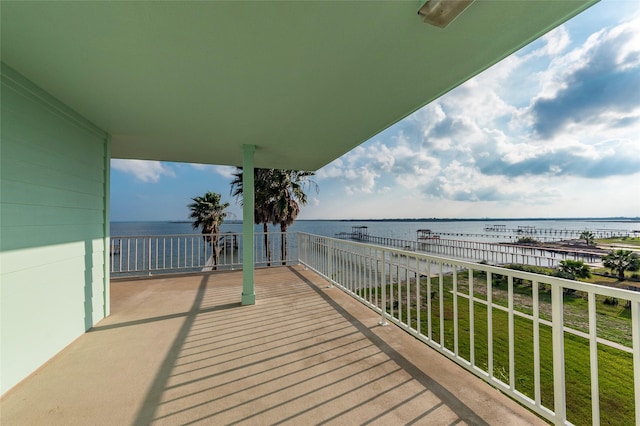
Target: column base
(248, 299)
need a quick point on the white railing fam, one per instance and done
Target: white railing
(551, 344)
(156, 254)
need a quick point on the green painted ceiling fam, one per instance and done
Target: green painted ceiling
(303, 81)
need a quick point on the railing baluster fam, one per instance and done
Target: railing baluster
(418, 295)
(472, 322)
(358, 271)
(112, 253)
(454, 270)
(559, 388)
(368, 272)
(490, 325)
(593, 352)
(376, 278)
(399, 287)
(536, 342)
(408, 292)
(429, 293)
(512, 356)
(383, 319)
(391, 292)
(330, 271)
(441, 304)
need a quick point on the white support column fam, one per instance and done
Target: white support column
(248, 200)
(106, 294)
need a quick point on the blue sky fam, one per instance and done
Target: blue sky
(551, 131)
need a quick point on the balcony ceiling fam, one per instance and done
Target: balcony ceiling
(303, 81)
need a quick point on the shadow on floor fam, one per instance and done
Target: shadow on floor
(295, 356)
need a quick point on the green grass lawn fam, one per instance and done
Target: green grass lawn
(615, 366)
(631, 241)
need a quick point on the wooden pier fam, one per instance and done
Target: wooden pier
(495, 228)
(527, 230)
(360, 233)
(500, 232)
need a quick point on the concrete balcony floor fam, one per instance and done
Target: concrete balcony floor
(181, 350)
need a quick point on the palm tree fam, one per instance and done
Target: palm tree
(587, 236)
(575, 269)
(278, 195)
(263, 209)
(288, 194)
(208, 213)
(620, 261)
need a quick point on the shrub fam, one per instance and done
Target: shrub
(564, 274)
(527, 240)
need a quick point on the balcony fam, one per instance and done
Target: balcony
(335, 338)
(181, 350)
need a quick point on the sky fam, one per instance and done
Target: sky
(551, 131)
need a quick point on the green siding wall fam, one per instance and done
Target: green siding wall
(53, 186)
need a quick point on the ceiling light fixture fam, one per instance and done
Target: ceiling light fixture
(442, 12)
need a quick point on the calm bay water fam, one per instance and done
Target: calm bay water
(466, 229)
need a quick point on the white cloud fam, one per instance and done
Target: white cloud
(362, 179)
(202, 167)
(224, 171)
(483, 149)
(143, 170)
(628, 55)
(350, 172)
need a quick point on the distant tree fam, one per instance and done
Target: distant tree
(588, 237)
(208, 213)
(620, 261)
(574, 269)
